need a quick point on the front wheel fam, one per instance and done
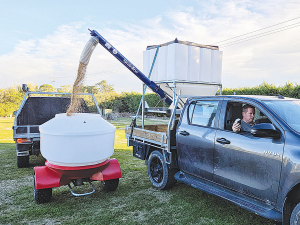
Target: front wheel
(295, 217)
(161, 177)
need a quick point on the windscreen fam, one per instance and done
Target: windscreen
(289, 111)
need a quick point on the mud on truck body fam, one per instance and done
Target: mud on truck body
(257, 170)
(35, 109)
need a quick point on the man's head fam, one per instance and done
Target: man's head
(248, 112)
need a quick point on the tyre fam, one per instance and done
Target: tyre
(42, 195)
(110, 185)
(161, 177)
(23, 161)
(295, 216)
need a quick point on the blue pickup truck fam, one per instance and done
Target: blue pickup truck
(259, 170)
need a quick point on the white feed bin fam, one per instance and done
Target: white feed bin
(78, 140)
(194, 68)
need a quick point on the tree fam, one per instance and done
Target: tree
(65, 89)
(46, 88)
(104, 94)
(10, 99)
(101, 86)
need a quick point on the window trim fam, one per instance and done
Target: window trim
(216, 119)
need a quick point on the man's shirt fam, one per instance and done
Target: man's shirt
(246, 126)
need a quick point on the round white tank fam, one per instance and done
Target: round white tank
(78, 140)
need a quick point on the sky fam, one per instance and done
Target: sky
(41, 41)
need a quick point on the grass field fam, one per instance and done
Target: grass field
(134, 202)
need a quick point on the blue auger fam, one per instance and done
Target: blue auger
(153, 86)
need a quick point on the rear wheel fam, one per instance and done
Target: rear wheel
(23, 161)
(42, 195)
(110, 185)
(161, 177)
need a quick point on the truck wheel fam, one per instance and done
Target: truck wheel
(295, 217)
(110, 185)
(161, 177)
(42, 195)
(23, 161)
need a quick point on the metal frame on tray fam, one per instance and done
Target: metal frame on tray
(174, 82)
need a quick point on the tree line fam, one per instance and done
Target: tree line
(108, 98)
(288, 90)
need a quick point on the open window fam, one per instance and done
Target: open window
(234, 111)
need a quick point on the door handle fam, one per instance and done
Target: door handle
(223, 141)
(184, 133)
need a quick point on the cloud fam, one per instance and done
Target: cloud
(272, 58)
(37, 60)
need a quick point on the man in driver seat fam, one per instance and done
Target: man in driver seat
(248, 112)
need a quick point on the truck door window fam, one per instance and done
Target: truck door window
(203, 113)
(234, 111)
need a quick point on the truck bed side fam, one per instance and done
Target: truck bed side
(155, 135)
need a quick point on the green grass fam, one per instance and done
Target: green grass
(134, 202)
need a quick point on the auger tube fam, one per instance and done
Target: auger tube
(153, 86)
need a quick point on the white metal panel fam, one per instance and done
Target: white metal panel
(162, 59)
(216, 67)
(190, 89)
(171, 62)
(205, 65)
(193, 64)
(181, 62)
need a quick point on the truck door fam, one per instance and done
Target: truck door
(247, 164)
(195, 138)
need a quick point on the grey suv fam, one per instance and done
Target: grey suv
(258, 169)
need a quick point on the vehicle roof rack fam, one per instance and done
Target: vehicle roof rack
(278, 95)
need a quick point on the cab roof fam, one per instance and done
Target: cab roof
(260, 97)
(253, 97)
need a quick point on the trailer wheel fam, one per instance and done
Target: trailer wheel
(161, 177)
(110, 185)
(23, 161)
(42, 195)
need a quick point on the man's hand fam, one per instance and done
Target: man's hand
(236, 127)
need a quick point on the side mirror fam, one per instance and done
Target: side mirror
(265, 130)
(15, 113)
